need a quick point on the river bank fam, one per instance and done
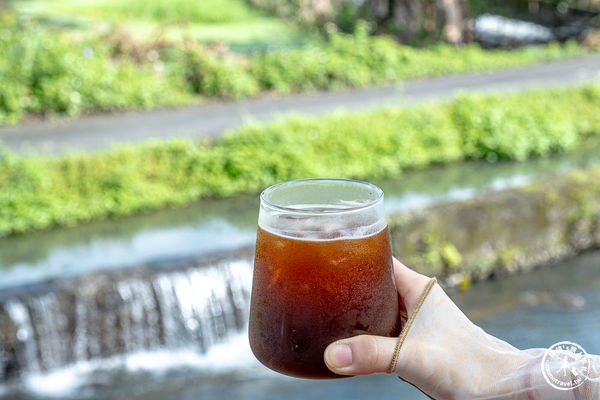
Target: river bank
(213, 119)
(42, 192)
(212, 226)
(504, 232)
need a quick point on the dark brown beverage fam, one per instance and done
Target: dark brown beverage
(308, 293)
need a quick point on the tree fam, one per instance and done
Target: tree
(412, 19)
(455, 21)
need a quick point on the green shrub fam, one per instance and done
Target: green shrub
(56, 72)
(205, 74)
(502, 128)
(359, 60)
(47, 72)
(40, 192)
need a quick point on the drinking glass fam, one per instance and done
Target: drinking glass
(322, 272)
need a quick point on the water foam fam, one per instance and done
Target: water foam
(59, 383)
(232, 355)
(229, 356)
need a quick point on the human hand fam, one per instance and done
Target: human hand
(443, 353)
(367, 354)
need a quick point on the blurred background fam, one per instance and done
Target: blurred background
(136, 135)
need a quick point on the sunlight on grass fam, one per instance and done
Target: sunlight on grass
(203, 11)
(244, 36)
(231, 21)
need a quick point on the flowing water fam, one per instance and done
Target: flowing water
(188, 341)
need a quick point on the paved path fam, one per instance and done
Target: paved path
(97, 132)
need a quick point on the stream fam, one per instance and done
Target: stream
(535, 309)
(155, 306)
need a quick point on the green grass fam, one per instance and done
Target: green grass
(232, 21)
(204, 11)
(39, 192)
(243, 37)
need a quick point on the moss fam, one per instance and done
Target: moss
(508, 256)
(435, 254)
(502, 232)
(451, 256)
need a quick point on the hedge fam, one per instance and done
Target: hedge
(38, 192)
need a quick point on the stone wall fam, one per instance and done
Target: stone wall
(502, 232)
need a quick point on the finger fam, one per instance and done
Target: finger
(410, 284)
(360, 355)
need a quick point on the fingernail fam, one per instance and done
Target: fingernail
(339, 355)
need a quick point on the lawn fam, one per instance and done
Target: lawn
(233, 21)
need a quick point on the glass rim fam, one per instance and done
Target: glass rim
(299, 210)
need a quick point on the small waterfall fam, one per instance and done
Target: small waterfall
(188, 303)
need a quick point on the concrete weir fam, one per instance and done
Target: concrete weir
(502, 232)
(194, 303)
(200, 302)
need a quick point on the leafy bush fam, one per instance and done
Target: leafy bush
(40, 192)
(358, 60)
(46, 72)
(207, 75)
(54, 72)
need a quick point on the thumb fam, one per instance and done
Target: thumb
(360, 355)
